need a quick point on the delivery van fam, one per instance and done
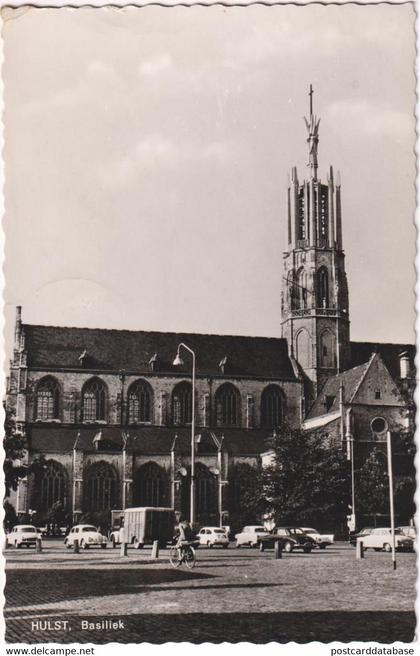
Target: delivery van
(146, 524)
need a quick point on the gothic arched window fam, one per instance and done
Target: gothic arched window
(140, 402)
(101, 487)
(272, 401)
(301, 215)
(206, 490)
(182, 404)
(303, 348)
(242, 483)
(327, 349)
(227, 405)
(51, 485)
(322, 288)
(151, 486)
(301, 289)
(48, 399)
(94, 400)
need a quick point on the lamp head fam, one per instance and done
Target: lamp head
(178, 362)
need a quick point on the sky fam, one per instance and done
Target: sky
(147, 153)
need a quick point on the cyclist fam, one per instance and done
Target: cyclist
(183, 550)
(185, 536)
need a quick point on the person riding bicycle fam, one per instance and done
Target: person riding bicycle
(185, 536)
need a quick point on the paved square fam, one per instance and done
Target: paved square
(232, 595)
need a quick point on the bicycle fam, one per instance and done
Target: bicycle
(182, 554)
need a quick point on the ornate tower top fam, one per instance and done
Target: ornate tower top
(312, 126)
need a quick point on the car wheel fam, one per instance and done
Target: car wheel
(84, 545)
(103, 546)
(387, 547)
(211, 545)
(114, 544)
(255, 545)
(307, 549)
(238, 546)
(225, 546)
(18, 546)
(322, 546)
(288, 547)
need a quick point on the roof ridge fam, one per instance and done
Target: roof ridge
(157, 332)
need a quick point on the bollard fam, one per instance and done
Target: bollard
(38, 546)
(123, 549)
(155, 549)
(359, 549)
(277, 550)
(76, 546)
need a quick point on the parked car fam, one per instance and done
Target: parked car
(380, 539)
(411, 531)
(322, 540)
(116, 536)
(58, 531)
(213, 535)
(249, 536)
(291, 538)
(88, 536)
(359, 534)
(24, 534)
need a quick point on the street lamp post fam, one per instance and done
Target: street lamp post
(391, 497)
(178, 361)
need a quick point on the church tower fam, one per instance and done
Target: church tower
(315, 305)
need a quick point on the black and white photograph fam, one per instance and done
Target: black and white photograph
(209, 324)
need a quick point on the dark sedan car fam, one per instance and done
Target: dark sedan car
(290, 537)
(359, 534)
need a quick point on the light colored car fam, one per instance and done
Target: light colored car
(322, 540)
(116, 536)
(249, 536)
(381, 539)
(411, 531)
(87, 535)
(24, 534)
(210, 536)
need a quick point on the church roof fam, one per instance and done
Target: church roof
(328, 400)
(52, 347)
(149, 440)
(349, 379)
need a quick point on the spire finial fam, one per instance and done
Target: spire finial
(312, 126)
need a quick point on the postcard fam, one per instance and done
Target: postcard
(209, 324)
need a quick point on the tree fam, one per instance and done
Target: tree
(372, 485)
(307, 482)
(15, 448)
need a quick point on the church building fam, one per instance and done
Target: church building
(110, 411)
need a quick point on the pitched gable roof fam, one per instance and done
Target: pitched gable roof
(356, 384)
(349, 379)
(58, 347)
